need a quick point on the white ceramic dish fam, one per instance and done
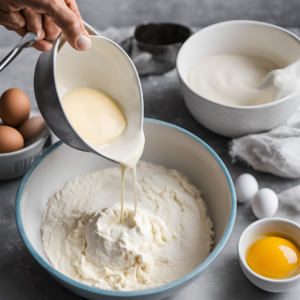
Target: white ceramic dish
(259, 227)
(167, 145)
(241, 37)
(15, 164)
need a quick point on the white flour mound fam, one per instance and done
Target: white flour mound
(169, 237)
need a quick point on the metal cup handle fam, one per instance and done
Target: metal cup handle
(27, 41)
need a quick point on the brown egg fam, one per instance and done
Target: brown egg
(14, 107)
(10, 139)
(32, 128)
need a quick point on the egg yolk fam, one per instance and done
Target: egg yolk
(274, 257)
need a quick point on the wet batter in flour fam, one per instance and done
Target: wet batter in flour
(170, 235)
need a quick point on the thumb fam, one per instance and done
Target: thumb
(71, 26)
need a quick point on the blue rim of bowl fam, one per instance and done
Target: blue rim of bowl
(152, 291)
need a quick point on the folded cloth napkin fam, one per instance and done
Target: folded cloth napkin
(276, 152)
(289, 204)
(291, 198)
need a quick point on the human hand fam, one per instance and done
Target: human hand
(45, 18)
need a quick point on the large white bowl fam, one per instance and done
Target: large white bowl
(240, 37)
(167, 145)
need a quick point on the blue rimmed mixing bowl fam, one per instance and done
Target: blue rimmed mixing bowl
(167, 145)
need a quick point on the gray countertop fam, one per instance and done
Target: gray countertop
(20, 275)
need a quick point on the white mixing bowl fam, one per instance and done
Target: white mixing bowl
(237, 37)
(167, 145)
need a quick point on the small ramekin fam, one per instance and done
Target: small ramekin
(15, 164)
(257, 228)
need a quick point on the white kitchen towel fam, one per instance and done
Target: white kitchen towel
(276, 151)
(291, 198)
(289, 204)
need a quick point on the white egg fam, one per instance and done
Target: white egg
(265, 203)
(246, 187)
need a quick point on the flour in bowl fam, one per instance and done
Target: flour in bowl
(170, 235)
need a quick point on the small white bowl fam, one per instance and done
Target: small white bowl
(257, 228)
(167, 145)
(15, 164)
(237, 37)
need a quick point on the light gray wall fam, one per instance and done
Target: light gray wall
(103, 13)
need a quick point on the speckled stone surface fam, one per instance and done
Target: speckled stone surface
(20, 275)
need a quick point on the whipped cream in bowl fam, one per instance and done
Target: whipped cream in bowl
(236, 79)
(240, 77)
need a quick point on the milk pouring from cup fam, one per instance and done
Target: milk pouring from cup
(105, 68)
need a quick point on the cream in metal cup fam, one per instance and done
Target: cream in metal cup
(104, 67)
(275, 225)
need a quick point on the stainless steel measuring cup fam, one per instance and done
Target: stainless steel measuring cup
(105, 67)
